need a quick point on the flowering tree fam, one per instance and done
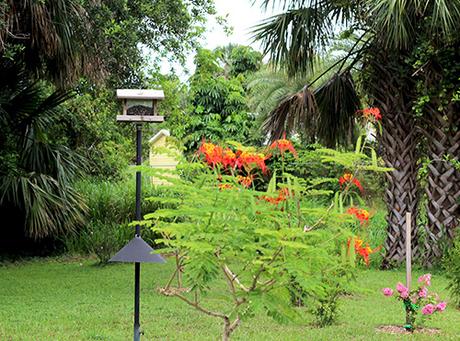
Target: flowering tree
(349, 197)
(220, 227)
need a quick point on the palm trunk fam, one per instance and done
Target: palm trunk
(386, 82)
(399, 144)
(443, 185)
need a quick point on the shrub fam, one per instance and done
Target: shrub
(326, 309)
(417, 300)
(111, 208)
(221, 228)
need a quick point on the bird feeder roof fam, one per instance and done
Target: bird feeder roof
(140, 94)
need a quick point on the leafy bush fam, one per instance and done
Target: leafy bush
(326, 309)
(111, 208)
(452, 271)
(220, 227)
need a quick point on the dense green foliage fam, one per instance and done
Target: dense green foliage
(111, 209)
(404, 54)
(218, 107)
(51, 137)
(210, 229)
(36, 166)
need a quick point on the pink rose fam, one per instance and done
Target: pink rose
(423, 292)
(404, 294)
(387, 291)
(441, 306)
(425, 279)
(428, 309)
(401, 288)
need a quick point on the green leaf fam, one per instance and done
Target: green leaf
(272, 184)
(294, 245)
(359, 144)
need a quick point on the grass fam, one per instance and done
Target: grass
(71, 299)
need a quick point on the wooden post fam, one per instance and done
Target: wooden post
(408, 249)
(409, 312)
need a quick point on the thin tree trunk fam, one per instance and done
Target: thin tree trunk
(229, 327)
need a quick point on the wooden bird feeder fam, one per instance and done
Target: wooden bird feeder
(140, 105)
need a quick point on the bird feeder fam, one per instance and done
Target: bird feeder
(140, 105)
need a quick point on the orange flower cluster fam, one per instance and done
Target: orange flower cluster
(212, 153)
(371, 113)
(361, 214)
(246, 181)
(363, 250)
(251, 160)
(283, 145)
(226, 158)
(348, 177)
(283, 194)
(225, 186)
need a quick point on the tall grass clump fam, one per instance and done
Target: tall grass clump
(111, 208)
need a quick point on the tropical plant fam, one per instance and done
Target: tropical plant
(285, 103)
(218, 106)
(388, 31)
(257, 242)
(36, 170)
(44, 34)
(437, 75)
(66, 39)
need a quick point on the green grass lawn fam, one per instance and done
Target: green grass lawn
(71, 299)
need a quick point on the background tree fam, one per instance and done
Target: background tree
(388, 30)
(218, 105)
(50, 134)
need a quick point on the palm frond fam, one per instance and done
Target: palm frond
(393, 22)
(338, 102)
(39, 183)
(445, 18)
(50, 208)
(51, 35)
(293, 39)
(294, 113)
(396, 22)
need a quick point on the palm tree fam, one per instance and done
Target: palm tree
(36, 172)
(286, 105)
(49, 36)
(388, 30)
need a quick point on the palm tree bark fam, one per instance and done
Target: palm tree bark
(443, 185)
(399, 142)
(391, 91)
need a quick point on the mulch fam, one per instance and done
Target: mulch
(391, 329)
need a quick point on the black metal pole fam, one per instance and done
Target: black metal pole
(137, 266)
